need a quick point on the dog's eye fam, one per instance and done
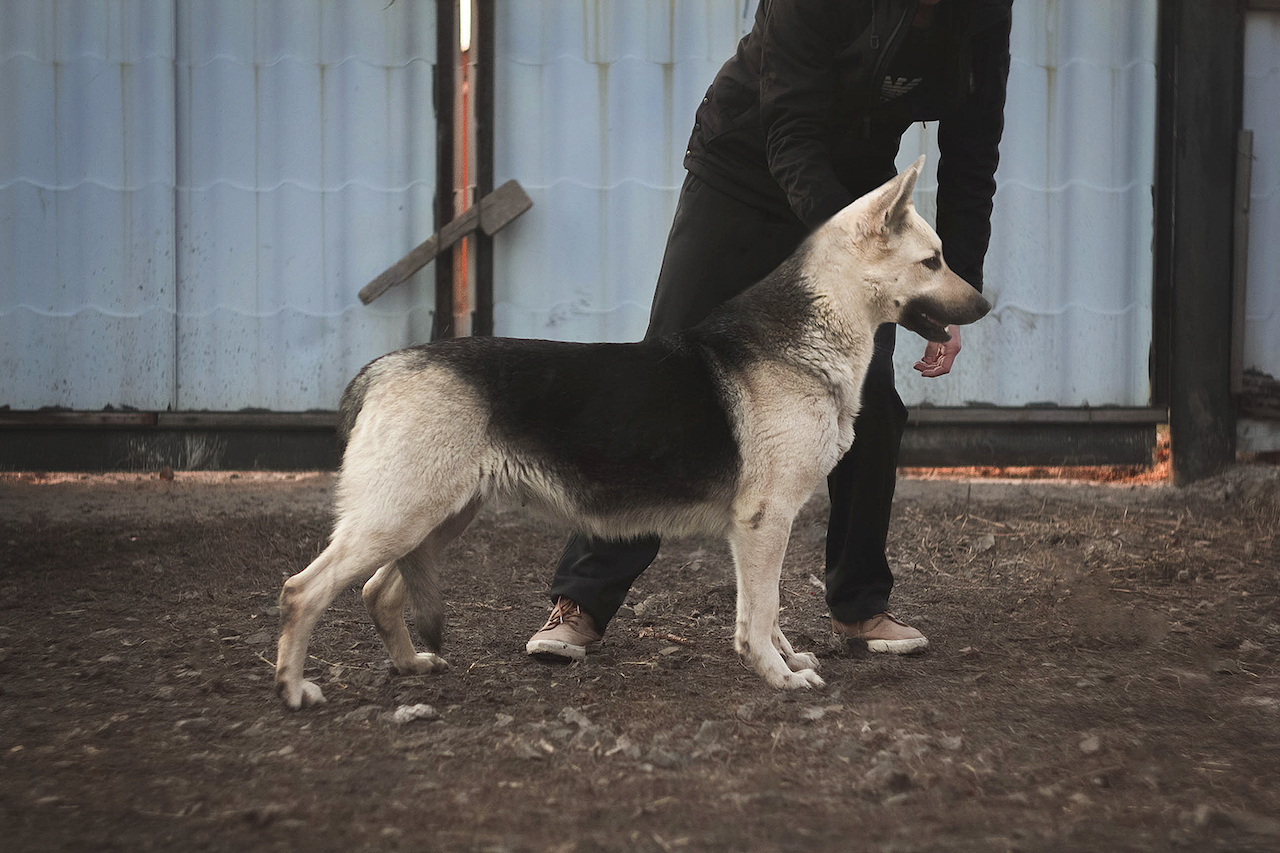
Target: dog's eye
(933, 263)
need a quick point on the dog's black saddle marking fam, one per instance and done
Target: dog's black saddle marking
(617, 422)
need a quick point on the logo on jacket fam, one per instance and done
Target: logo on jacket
(896, 87)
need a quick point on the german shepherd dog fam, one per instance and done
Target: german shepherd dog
(725, 428)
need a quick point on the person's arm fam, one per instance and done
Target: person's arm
(969, 143)
(797, 85)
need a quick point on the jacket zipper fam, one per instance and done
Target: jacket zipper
(877, 73)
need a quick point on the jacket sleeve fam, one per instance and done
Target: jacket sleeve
(969, 142)
(797, 85)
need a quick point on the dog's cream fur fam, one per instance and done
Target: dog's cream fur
(421, 455)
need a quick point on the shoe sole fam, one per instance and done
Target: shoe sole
(549, 650)
(898, 647)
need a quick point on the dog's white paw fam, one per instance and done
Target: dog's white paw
(422, 663)
(804, 678)
(797, 661)
(302, 694)
(784, 679)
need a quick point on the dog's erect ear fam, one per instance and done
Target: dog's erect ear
(895, 199)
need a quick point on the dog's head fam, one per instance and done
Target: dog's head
(900, 259)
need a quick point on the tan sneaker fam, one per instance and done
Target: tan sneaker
(568, 634)
(883, 633)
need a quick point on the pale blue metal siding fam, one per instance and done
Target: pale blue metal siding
(1262, 116)
(86, 204)
(1070, 266)
(192, 193)
(306, 166)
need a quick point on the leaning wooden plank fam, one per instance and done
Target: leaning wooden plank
(421, 255)
(492, 213)
(504, 204)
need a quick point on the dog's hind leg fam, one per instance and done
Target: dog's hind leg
(355, 553)
(758, 548)
(384, 596)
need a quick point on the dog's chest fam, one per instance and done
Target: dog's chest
(791, 420)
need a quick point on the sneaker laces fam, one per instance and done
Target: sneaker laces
(565, 610)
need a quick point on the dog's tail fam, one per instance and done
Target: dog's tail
(352, 402)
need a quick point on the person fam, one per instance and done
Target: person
(807, 116)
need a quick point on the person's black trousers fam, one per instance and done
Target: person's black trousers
(718, 247)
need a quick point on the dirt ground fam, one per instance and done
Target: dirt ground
(1102, 676)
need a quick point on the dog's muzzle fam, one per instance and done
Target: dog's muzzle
(929, 317)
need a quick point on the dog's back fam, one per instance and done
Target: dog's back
(601, 433)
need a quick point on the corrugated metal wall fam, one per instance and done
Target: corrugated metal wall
(1070, 266)
(192, 192)
(87, 232)
(595, 102)
(195, 191)
(1262, 116)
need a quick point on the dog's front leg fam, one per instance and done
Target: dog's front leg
(758, 546)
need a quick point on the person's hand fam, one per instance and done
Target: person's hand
(938, 358)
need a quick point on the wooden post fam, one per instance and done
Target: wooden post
(462, 190)
(484, 45)
(446, 63)
(1240, 257)
(1205, 100)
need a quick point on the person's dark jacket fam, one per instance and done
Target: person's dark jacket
(794, 123)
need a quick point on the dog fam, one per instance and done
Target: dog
(726, 428)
